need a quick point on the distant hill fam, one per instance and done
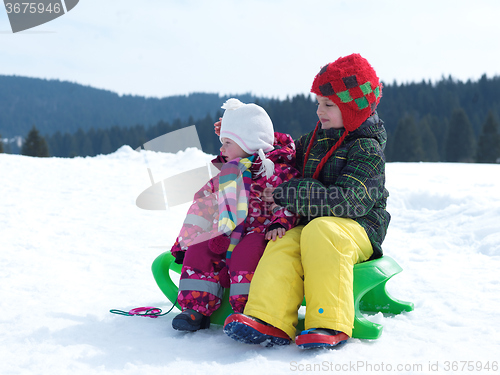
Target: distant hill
(53, 105)
(425, 121)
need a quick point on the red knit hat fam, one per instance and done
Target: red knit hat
(352, 84)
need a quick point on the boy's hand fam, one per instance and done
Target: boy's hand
(217, 126)
(275, 233)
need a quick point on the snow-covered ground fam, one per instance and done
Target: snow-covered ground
(74, 245)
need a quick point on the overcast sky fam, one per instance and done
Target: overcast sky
(270, 48)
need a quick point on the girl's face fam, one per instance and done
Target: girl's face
(329, 114)
(231, 150)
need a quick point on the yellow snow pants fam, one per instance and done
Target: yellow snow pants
(315, 261)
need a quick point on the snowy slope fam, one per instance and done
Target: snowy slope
(74, 245)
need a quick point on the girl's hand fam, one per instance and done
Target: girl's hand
(275, 233)
(217, 126)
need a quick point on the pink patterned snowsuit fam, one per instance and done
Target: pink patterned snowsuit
(206, 273)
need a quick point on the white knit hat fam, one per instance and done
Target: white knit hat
(248, 125)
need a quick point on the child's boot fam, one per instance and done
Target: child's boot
(190, 320)
(320, 338)
(250, 330)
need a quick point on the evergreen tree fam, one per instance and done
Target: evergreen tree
(105, 144)
(459, 145)
(1, 144)
(439, 127)
(55, 143)
(84, 143)
(407, 141)
(488, 147)
(429, 142)
(209, 141)
(86, 147)
(35, 144)
(70, 146)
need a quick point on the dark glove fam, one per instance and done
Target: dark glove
(179, 257)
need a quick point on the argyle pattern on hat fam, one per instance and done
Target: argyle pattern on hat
(352, 84)
(346, 96)
(353, 91)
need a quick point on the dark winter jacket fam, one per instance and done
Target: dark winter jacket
(351, 183)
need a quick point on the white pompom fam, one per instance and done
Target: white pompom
(232, 104)
(267, 166)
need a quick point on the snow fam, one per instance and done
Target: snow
(74, 245)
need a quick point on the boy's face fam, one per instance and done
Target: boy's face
(231, 150)
(329, 114)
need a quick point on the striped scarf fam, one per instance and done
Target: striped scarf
(235, 179)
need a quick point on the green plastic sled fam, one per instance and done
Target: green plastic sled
(370, 294)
